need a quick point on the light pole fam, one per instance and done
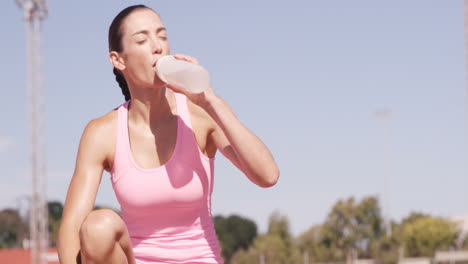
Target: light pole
(34, 12)
(384, 114)
(465, 25)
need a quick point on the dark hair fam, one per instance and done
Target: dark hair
(115, 43)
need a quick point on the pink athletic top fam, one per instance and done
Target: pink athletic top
(167, 209)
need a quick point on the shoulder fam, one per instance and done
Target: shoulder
(100, 133)
(99, 137)
(100, 127)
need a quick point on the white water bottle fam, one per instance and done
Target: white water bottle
(182, 74)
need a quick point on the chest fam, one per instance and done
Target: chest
(176, 185)
(153, 147)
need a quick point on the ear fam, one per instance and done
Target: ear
(116, 60)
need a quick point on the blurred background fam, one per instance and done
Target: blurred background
(363, 104)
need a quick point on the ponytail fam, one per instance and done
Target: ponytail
(122, 83)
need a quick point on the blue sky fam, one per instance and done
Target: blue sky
(305, 76)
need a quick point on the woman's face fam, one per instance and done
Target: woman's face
(144, 41)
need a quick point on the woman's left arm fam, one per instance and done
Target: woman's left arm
(237, 143)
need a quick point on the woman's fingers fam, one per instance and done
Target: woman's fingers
(186, 58)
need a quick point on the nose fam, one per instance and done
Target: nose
(156, 46)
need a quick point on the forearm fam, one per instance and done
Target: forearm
(254, 158)
(68, 244)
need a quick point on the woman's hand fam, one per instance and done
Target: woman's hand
(201, 99)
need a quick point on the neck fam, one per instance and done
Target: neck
(150, 105)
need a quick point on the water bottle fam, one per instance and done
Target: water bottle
(182, 74)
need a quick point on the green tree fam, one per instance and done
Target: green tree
(387, 247)
(12, 229)
(55, 210)
(351, 227)
(369, 224)
(234, 233)
(423, 235)
(310, 243)
(338, 231)
(413, 217)
(275, 246)
(271, 247)
(279, 225)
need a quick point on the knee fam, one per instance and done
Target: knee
(99, 231)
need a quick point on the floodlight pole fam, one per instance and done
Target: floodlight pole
(34, 12)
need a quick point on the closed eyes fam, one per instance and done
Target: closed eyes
(144, 40)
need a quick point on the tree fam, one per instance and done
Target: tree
(338, 232)
(279, 225)
(272, 248)
(423, 235)
(387, 247)
(353, 227)
(234, 233)
(55, 210)
(275, 246)
(369, 226)
(12, 229)
(413, 217)
(310, 243)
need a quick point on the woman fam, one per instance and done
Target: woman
(159, 147)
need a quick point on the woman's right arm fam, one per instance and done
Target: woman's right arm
(83, 189)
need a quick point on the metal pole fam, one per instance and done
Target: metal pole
(385, 115)
(465, 24)
(34, 11)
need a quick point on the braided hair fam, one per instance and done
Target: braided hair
(115, 44)
(122, 83)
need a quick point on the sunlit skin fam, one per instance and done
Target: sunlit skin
(101, 236)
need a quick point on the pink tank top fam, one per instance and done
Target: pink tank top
(167, 209)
